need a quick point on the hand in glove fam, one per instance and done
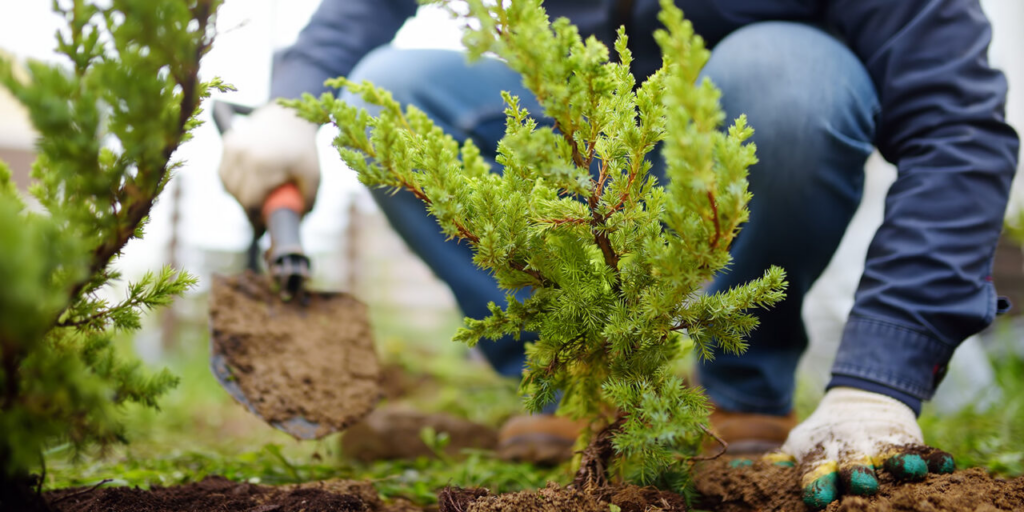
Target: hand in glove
(850, 434)
(272, 148)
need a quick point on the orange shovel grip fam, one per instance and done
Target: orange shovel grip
(285, 196)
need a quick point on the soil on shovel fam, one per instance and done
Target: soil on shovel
(764, 486)
(314, 360)
(216, 494)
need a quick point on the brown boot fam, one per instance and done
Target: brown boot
(749, 433)
(539, 438)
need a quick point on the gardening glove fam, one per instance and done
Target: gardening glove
(273, 147)
(850, 434)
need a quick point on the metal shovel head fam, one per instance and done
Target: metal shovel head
(307, 366)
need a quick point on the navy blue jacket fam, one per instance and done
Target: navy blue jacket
(927, 284)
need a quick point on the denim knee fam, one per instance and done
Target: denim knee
(803, 91)
(813, 107)
(462, 98)
(401, 71)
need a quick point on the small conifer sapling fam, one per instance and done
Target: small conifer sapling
(615, 260)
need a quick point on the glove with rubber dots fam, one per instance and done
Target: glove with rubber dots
(269, 149)
(850, 435)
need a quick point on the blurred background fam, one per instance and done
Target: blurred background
(198, 226)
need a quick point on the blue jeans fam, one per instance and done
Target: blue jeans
(813, 108)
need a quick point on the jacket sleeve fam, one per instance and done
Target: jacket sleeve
(927, 279)
(340, 33)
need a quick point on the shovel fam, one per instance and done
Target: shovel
(302, 361)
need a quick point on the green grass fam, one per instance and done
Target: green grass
(418, 480)
(992, 438)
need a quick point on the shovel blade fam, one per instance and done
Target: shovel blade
(307, 367)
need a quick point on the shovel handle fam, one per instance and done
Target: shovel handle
(282, 211)
(285, 196)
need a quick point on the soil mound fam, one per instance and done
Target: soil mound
(313, 360)
(763, 486)
(760, 487)
(553, 498)
(217, 494)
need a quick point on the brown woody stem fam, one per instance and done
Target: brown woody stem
(723, 446)
(714, 215)
(593, 472)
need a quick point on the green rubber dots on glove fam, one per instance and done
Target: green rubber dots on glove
(912, 464)
(852, 435)
(828, 480)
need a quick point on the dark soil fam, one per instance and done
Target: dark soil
(629, 498)
(21, 493)
(312, 358)
(215, 494)
(763, 486)
(760, 487)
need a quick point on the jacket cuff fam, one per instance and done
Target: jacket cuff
(890, 359)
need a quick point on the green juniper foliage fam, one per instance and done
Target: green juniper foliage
(109, 121)
(615, 260)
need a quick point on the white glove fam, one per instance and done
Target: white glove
(272, 147)
(850, 434)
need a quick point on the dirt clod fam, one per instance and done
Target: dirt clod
(631, 498)
(313, 360)
(455, 499)
(394, 433)
(553, 498)
(217, 494)
(764, 486)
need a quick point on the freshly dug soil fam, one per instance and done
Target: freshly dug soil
(763, 486)
(313, 358)
(216, 494)
(760, 487)
(553, 498)
(394, 433)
